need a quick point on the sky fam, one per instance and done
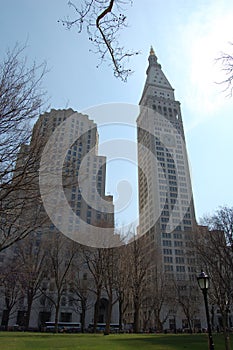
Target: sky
(187, 37)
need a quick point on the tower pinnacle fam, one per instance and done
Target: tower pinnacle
(157, 83)
(152, 53)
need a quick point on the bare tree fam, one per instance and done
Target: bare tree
(139, 263)
(21, 100)
(110, 271)
(122, 283)
(80, 288)
(222, 220)
(162, 295)
(216, 258)
(102, 20)
(188, 298)
(226, 60)
(61, 255)
(10, 288)
(31, 257)
(221, 294)
(94, 261)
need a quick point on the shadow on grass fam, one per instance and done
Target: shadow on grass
(163, 342)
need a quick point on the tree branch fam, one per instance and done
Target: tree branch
(102, 22)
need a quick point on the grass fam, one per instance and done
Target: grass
(44, 341)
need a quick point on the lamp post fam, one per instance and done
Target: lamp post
(203, 282)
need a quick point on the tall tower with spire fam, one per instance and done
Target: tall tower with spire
(166, 207)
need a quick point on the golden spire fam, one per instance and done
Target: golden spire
(152, 51)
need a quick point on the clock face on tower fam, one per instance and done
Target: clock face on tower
(168, 140)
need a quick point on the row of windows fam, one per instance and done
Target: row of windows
(167, 243)
(169, 259)
(165, 109)
(178, 268)
(169, 235)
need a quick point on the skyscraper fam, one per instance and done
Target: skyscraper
(71, 178)
(75, 175)
(166, 207)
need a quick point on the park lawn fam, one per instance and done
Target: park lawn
(44, 341)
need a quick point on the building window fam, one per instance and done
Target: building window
(180, 269)
(177, 235)
(167, 243)
(167, 251)
(179, 252)
(166, 235)
(178, 243)
(168, 268)
(168, 259)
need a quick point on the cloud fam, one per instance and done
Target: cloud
(204, 37)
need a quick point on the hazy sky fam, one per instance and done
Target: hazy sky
(187, 37)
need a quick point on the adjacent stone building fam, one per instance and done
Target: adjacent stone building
(71, 177)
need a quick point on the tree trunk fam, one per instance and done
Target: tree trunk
(57, 308)
(158, 323)
(226, 340)
(83, 314)
(96, 312)
(225, 331)
(109, 316)
(120, 307)
(136, 320)
(29, 308)
(6, 318)
(190, 325)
